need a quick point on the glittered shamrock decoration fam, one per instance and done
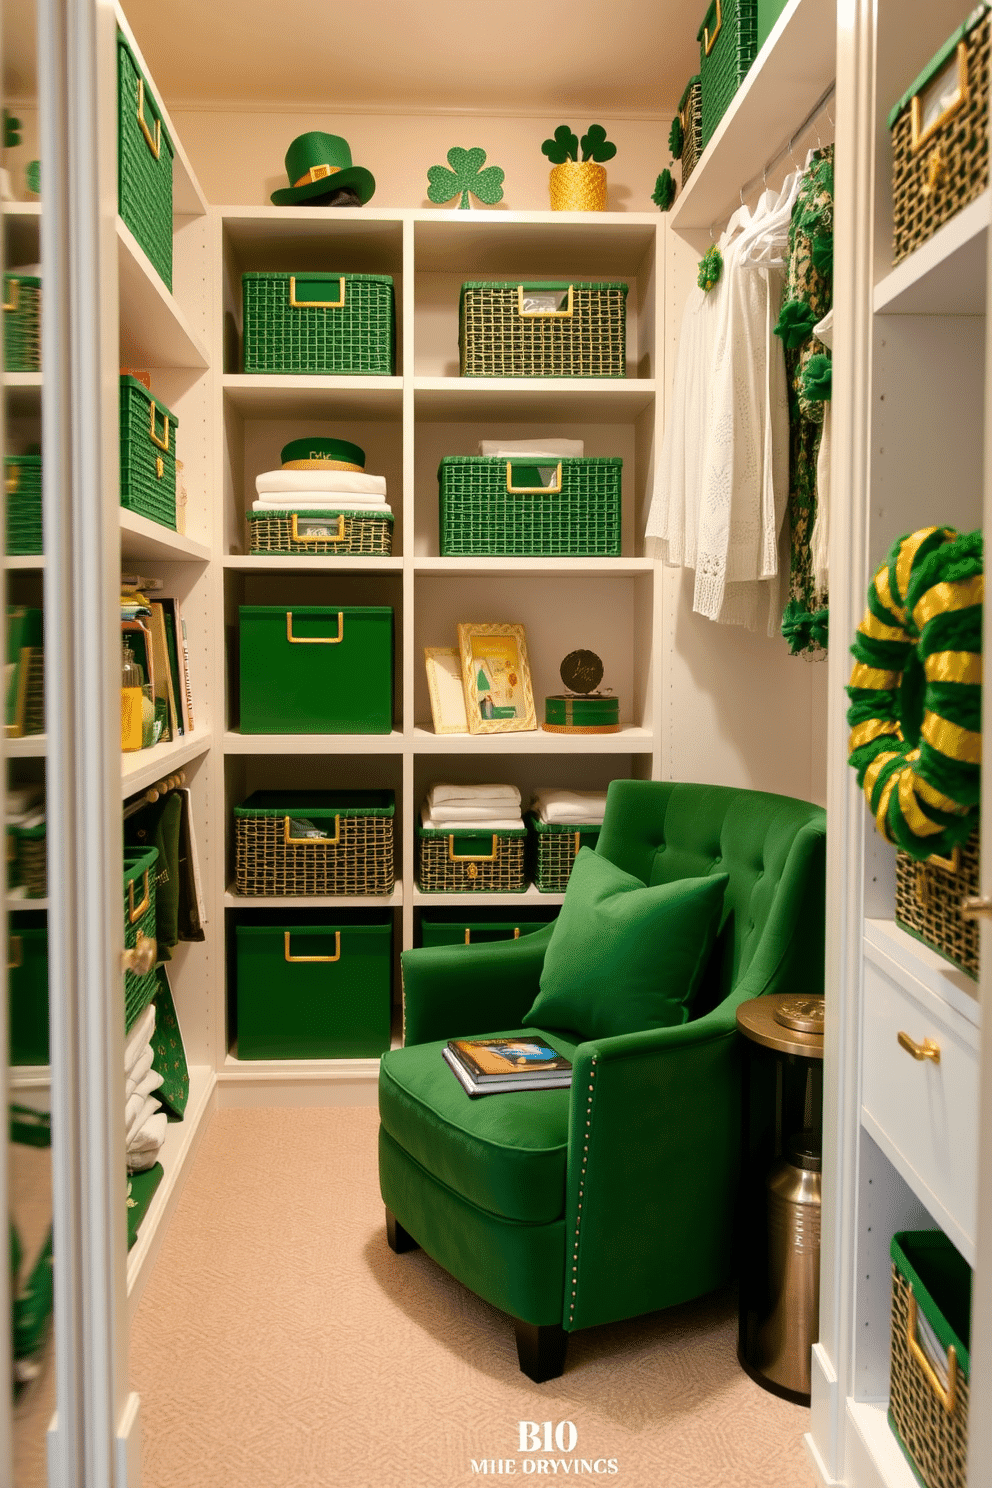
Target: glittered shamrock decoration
(664, 191)
(676, 138)
(11, 131)
(565, 145)
(710, 268)
(466, 175)
(32, 174)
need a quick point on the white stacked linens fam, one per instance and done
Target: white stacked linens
(321, 490)
(145, 1123)
(485, 808)
(571, 808)
(533, 449)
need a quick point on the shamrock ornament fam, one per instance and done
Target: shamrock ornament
(664, 191)
(11, 130)
(466, 175)
(565, 145)
(676, 138)
(710, 268)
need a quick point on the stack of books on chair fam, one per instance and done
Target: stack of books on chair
(488, 1066)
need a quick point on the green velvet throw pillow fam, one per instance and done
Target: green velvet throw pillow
(624, 957)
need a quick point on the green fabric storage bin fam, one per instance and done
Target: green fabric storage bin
(27, 984)
(148, 454)
(728, 44)
(22, 486)
(930, 1364)
(318, 323)
(315, 842)
(314, 991)
(21, 323)
(316, 669)
(144, 164)
(438, 928)
(493, 507)
(500, 336)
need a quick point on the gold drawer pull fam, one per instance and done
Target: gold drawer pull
(927, 1050)
(530, 314)
(454, 857)
(146, 899)
(155, 145)
(304, 537)
(291, 841)
(163, 442)
(315, 304)
(314, 640)
(335, 957)
(15, 953)
(949, 1397)
(13, 288)
(977, 906)
(709, 37)
(553, 490)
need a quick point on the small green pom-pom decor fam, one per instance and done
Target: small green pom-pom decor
(676, 138)
(710, 268)
(664, 191)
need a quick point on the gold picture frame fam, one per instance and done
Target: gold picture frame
(444, 683)
(495, 670)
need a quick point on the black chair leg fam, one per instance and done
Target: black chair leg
(541, 1350)
(399, 1240)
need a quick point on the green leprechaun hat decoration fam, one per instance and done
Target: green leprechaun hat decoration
(318, 164)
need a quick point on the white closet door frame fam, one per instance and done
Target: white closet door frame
(88, 1439)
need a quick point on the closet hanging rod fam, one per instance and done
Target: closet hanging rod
(787, 148)
(150, 796)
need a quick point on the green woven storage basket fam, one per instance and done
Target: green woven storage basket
(148, 454)
(353, 854)
(928, 1388)
(728, 44)
(940, 144)
(22, 483)
(691, 115)
(319, 324)
(468, 862)
(139, 925)
(320, 534)
(144, 164)
(21, 323)
(453, 928)
(586, 336)
(32, 859)
(554, 850)
(495, 507)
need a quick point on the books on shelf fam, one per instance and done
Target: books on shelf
(24, 678)
(162, 618)
(489, 1066)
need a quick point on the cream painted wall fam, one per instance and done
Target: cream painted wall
(238, 156)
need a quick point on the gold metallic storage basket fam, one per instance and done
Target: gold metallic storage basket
(691, 115)
(940, 137)
(928, 900)
(320, 534)
(462, 862)
(554, 849)
(930, 1364)
(550, 328)
(318, 842)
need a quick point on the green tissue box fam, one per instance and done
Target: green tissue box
(316, 669)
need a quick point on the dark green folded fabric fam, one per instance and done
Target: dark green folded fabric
(170, 1055)
(140, 1190)
(157, 825)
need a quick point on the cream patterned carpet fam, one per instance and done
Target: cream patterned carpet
(280, 1344)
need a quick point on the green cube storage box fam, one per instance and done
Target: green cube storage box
(22, 487)
(318, 324)
(494, 507)
(316, 669)
(27, 960)
(21, 323)
(144, 164)
(307, 991)
(451, 928)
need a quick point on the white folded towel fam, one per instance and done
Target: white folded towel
(271, 482)
(555, 805)
(298, 499)
(454, 814)
(329, 504)
(512, 449)
(438, 795)
(146, 1145)
(140, 1070)
(140, 1035)
(479, 824)
(147, 1105)
(149, 1084)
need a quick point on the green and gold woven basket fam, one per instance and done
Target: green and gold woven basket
(554, 848)
(470, 862)
(144, 164)
(318, 324)
(576, 330)
(22, 486)
(930, 1363)
(928, 902)
(139, 928)
(318, 842)
(31, 859)
(691, 116)
(940, 137)
(494, 507)
(21, 323)
(320, 534)
(148, 454)
(728, 44)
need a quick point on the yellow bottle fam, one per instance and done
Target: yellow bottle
(132, 683)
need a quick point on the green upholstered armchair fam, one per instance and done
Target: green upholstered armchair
(614, 1198)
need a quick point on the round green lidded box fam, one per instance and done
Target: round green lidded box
(595, 713)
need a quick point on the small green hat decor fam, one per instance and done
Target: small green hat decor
(319, 453)
(318, 166)
(465, 177)
(664, 191)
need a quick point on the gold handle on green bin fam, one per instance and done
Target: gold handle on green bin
(468, 934)
(146, 899)
(709, 37)
(13, 290)
(454, 857)
(163, 443)
(335, 957)
(553, 490)
(304, 537)
(13, 479)
(531, 314)
(155, 145)
(314, 640)
(314, 304)
(292, 841)
(949, 1397)
(921, 135)
(15, 953)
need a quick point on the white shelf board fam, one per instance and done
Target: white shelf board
(870, 1420)
(946, 275)
(301, 562)
(630, 740)
(601, 400)
(556, 245)
(143, 767)
(15, 562)
(234, 900)
(187, 198)
(513, 566)
(30, 746)
(532, 898)
(154, 331)
(14, 904)
(793, 69)
(143, 538)
(236, 742)
(347, 399)
(938, 1211)
(176, 1154)
(885, 939)
(302, 239)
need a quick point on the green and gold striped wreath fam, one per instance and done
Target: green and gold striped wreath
(916, 692)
